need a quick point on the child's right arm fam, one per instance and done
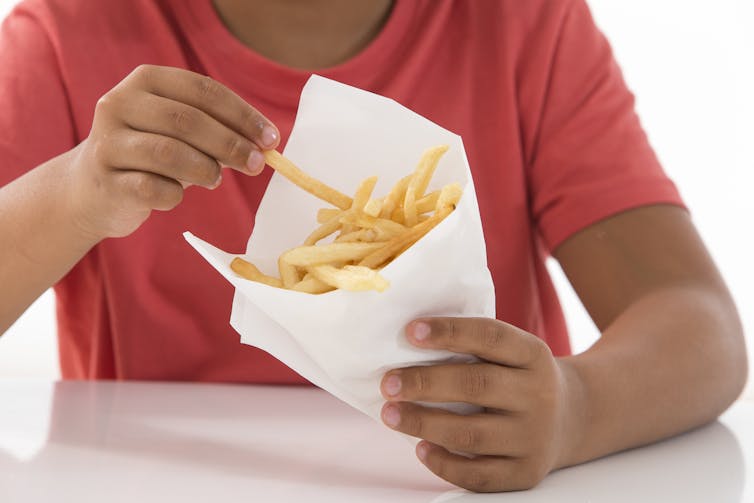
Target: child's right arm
(158, 131)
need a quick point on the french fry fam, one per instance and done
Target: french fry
(426, 169)
(449, 196)
(305, 256)
(367, 222)
(350, 277)
(250, 271)
(311, 185)
(326, 214)
(423, 205)
(395, 195)
(371, 232)
(288, 272)
(362, 235)
(326, 229)
(402, 242)
(373, 207)
(361, 198)
(419, 182)
(310, 284)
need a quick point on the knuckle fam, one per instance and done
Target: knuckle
(107, 103)
(143, 187)
(465, 439)
(184, 119)
(452, 333)
(250, 119)
(421, 382)
(236, 148)
(491, 337)
(164, 151)
(208, 89)
(538, 350)
(210, 171)
(475, 381)
(144, 72)
(415, 424)
(173, 197)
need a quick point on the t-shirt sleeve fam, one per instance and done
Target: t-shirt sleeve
(35, 119)
(591, 158)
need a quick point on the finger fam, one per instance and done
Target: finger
(491, 340)
(480, 474)
(490, 434)
(482, 384)
(154, 114)
(150, 190)
(215, 99)
(162, 155)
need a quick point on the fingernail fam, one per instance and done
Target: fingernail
(393, 385)
(255, 163)
(391, 416)
(269, 136)
(420, 331)
(421, 451)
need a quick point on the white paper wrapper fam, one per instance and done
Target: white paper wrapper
(345, 341)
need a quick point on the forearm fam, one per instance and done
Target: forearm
(40, 241)
(673, 360)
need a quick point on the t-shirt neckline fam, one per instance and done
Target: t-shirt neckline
(244, 68)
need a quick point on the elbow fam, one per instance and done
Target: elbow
(739, 367)
(733, 364)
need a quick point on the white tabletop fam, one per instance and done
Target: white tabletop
(112, 442)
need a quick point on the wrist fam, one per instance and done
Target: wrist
(574, 415)
(76, 216)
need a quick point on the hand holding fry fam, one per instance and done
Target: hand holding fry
(157, 132)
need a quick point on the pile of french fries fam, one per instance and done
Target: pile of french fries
(369, 233)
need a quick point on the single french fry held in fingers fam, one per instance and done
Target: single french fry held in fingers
(362, 234)
(313, 186)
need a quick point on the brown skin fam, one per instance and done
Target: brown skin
(157, 132)
(305, 34)
(671, 356)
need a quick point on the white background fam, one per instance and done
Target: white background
(690, 64)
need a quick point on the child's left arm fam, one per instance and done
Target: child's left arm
(671, 357)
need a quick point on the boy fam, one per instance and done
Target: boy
(112, 112)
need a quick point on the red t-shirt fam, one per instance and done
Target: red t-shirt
(532, 87)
